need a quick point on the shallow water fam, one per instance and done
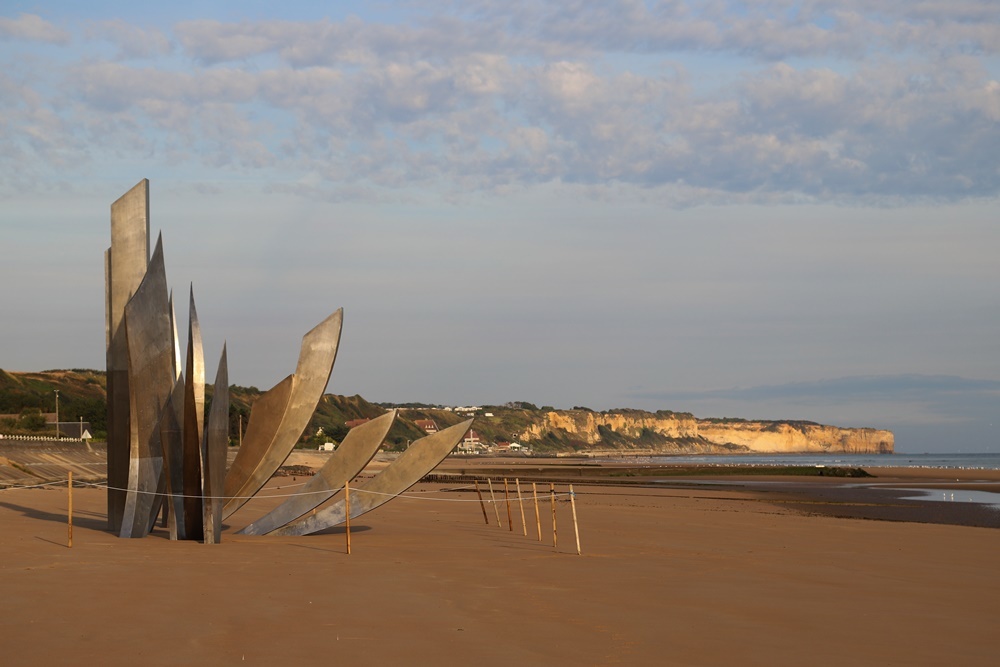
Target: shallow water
(955, 496)
(957, 461)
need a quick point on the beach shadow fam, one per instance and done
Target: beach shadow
(521, 543)
(331, 551)
(58, 544)
(82, 522)
(340, 530)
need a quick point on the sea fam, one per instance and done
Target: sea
(988, 461)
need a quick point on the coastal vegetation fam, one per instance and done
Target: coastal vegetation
(25, 399)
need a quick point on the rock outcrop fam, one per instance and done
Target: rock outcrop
(674, 432)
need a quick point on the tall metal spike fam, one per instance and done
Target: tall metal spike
(150, 380)
(171, 436)
(194, 423)
(125, 265)
(213, 454)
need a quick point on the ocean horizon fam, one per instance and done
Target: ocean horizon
(962, 461)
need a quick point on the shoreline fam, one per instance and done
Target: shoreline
(884, 496)
(840, 491)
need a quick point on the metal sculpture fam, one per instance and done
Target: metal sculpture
(421, 457)
(264, 454)
(124, 267)
(171, 437)
(151, 377)
(157, 440)
(354, 453)
(213, 454)
(181, 439)
(164, 452)
(194, 425)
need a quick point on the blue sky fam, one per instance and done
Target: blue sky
(759, 209)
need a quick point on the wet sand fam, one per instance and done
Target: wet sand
(696, 575)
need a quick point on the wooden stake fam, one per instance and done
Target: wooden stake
(552, 494)
(506, 496)
(347, 515)
(520, 503)
(69, 514)
(538, 519)
(576, 528)
(482, 504)
(493, 499)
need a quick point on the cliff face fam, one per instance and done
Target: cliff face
(585, 426)
(677, 433)
(781, 437)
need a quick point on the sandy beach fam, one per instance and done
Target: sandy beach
(697, 575)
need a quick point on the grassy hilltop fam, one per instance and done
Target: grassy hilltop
(26, 397)
(82, 393)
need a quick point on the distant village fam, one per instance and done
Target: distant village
(49, 427)
(472, 443)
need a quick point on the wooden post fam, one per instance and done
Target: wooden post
(493, 499)
(506, 497)
(520, 503)
(69, 514)
(576, 528)
(347, 514)
(538, 519)
(482, 504)
(552, 494)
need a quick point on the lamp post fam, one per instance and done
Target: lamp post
(57, 414)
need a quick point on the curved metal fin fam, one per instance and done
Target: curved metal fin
(423, 456)
(354, 453)
(316, 359)
(150, 380)
(265, 416)
(213, 454)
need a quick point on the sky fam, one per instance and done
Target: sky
(767, 210)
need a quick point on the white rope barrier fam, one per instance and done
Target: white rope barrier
(277, 495)
(34, 486)
(552, 495)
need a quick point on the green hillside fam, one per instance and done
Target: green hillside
(82, 393)
(24, 396)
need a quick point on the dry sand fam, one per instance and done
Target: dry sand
(671, 576)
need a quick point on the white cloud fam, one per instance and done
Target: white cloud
(490, 99)
(882, 131)
(765, 29)
(31, 27)
(131, 41)
(214, 41)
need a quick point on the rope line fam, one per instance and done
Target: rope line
(34, 486)
(289, 495)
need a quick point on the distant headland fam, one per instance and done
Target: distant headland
(518, 426)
